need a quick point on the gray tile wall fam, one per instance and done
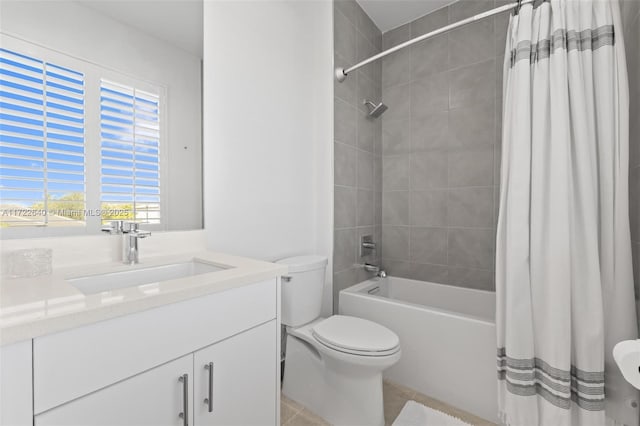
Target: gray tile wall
(357, 145)
(424, 179)
(631, 24)
(440, 147)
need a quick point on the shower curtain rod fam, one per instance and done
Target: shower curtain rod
(341, 73)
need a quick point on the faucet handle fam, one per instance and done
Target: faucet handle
(140, 234)
(367, 245)
(133, 229)
(114, 227)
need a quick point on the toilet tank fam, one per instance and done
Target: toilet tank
(302, 289)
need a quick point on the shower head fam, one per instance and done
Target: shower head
(375, 111)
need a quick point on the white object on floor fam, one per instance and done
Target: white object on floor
(415, 414)
(627, 356)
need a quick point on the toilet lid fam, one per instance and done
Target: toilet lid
(356, 335)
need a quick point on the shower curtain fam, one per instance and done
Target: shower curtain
(564, 281)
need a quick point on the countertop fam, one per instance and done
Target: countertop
(32, 307)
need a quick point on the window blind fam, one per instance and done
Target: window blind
(42, 153)
(130, 145)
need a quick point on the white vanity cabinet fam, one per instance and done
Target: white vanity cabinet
(126, 371)
(241, 371)
(16, 399)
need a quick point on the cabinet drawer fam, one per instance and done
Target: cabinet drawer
(73, 363)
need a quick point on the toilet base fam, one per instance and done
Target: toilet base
(341, 392)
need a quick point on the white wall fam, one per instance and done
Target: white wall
(268, 112)
(78, 31)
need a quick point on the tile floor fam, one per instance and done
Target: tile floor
(294, 414)
(395, 396)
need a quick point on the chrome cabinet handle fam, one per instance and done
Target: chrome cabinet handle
(209, 400)
(185, 399)
(286, 278)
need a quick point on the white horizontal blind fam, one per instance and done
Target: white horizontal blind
(42, 153)
(130, 152)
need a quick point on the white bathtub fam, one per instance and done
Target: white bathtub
(447, 335)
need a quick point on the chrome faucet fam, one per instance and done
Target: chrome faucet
(375, 269)
(130, 232)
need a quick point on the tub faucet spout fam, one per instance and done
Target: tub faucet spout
(375, 269)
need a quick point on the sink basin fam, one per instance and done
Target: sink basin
(93, 284)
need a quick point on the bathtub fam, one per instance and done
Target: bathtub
(447, 335)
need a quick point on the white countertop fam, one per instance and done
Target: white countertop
(32, 307)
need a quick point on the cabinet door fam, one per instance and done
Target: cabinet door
(155, 397)
(242, 371)
(16, 408)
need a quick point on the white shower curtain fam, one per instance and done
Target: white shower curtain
(564, 279)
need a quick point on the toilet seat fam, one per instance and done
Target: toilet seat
(356, 336)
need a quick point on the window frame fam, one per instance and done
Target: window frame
(93, 74)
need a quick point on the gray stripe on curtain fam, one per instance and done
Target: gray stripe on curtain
(563, 386)
(566, 40)
(534, 376)
(588, 377)
(561, 401)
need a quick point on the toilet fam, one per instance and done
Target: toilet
(334, 365)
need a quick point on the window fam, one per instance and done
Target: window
(130, 142)
(79, 144)
(41, 142)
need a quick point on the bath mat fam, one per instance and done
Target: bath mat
(415, 414)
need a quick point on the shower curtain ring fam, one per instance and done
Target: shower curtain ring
(517, 9)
